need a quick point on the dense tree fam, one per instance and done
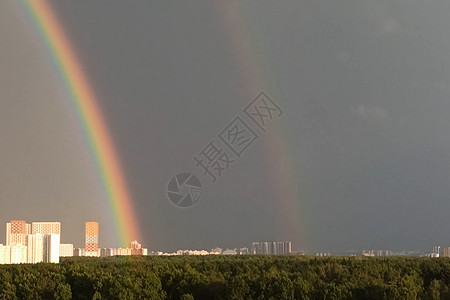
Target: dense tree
(229, 277)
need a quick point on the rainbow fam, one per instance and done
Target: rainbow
(254, 72)
(81, 94)
(235, 19)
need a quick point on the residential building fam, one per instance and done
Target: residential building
(280, 248)
(66, 250)
(18, 254)
(91, 239)
(17, 232)
(51, 248)
(5, 254)
(79, 252)
(35, 248)
(46, 227)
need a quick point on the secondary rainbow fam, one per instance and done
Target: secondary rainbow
(254, 71)
(83, 98)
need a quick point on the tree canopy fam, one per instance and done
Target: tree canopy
(229, 277)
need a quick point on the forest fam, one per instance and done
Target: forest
(229, 277)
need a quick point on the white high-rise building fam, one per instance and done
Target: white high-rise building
(18, 254)
(51, 232)
(65, 250)
(265, 247)
(288, 247)
(280, 248)
(284, 248)
(51, 248)
(35, 248)
(43, 248)
(256, 248)
(5, 254)
(46, 227)
(136, 248)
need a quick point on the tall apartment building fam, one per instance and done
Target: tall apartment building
(35, 248)
(51, 235)
(5, 254)
(18, 254)
(265, 248)
(256, 248)
(279, 248)
(446, 251)
(46, 227)
(286, 248)
(17, 232)
(262, 248)
(91, 247)
(43, 248)
(136, 248)
(51, 248)
(436, 251)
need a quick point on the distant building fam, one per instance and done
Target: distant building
(368, 253)
(280, 248)
(136, 248)
(79, 252)
(123, 251)
(256, 248)
(51, 248)
(46, 227)
(287, 248)
(5, 254)
(65, 250)
(265, 247)
(436, 250)
(18, 254)
(230, 252)
(108, 252)
(91, 239)
(35, 248)
(50, 235)
(217, 250)
(244, 251)
(17, 232)
(446, 251)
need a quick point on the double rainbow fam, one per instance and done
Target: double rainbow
(253, 72)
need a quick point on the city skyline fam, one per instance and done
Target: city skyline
(40, 242)
(21, 229)
(18, 230)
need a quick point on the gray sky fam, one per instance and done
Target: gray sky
(365, 90)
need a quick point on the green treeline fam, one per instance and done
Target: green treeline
(229, 277)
